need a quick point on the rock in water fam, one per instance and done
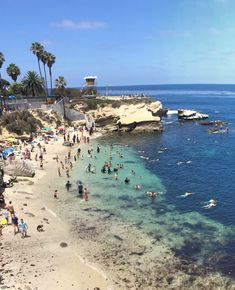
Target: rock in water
(191, 115)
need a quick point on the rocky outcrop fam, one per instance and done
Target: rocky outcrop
(19, 169)
(214, 123)
(139, 117)
(191, 115)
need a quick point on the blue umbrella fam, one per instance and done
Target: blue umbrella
(8, 151)
(11, 97)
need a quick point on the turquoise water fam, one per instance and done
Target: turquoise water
(188, 233)
(108, 193)
(184, 158)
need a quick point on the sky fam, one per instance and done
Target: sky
(123, 42)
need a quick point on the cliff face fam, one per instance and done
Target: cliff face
(139, 117)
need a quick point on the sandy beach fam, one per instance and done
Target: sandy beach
(39, 261)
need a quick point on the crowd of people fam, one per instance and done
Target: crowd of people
(33, 153)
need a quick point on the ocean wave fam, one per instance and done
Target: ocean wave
(144, 157)
(172, 112)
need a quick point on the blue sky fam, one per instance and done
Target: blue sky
(124, 42)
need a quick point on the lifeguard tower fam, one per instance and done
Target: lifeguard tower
(89, 90)
(90, 81)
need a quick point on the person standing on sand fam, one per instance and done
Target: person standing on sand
(23, 228)
(10, 208)
(1, 227)
(67, 171)
(62, 164)
(68, 185)
(80, 188)
(15, 224)
(85, 194)
(56, 193)
(59, 173)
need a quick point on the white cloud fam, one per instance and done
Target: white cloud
(82, 25)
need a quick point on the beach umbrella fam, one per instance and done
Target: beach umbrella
(11, 97)
(3, 221)
(8, 151)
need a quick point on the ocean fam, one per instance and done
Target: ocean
(184, 158)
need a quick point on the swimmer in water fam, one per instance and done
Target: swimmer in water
(152, 194)
(127, 180)
(132, 172)
(186, 194)
(137, 187)
(211, 203)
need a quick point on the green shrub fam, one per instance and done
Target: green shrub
(20, 122)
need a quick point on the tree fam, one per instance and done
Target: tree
(50, 61)
(13, 71)
(44, 59)
(2, 59)
(32, 83)
(16, 89)
(37, 50)
(60, 84)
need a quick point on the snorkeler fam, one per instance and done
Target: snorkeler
(210, 204)
(132, 172)
(103, 170)
(186, 194)
(127, 180)
(152, 194)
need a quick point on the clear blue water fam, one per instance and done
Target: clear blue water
(207, 236)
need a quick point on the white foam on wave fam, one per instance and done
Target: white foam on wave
(172, 112)
(144, 157)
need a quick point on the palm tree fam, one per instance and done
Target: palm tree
(60, 84)
(44, 59)
(37, 50)
(13, 71)
(2, 59)
(50, 61)
(32, 83)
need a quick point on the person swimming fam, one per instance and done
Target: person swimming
(127, 180)
(137, 187)
(152, 194)
(186, 194)
(103, 169)
(211, 203)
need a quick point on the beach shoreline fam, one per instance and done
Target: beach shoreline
(76, 255)
(39, 262)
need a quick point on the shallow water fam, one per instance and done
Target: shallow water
(184, 158)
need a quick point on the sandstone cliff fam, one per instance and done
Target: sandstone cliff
(140, 117)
